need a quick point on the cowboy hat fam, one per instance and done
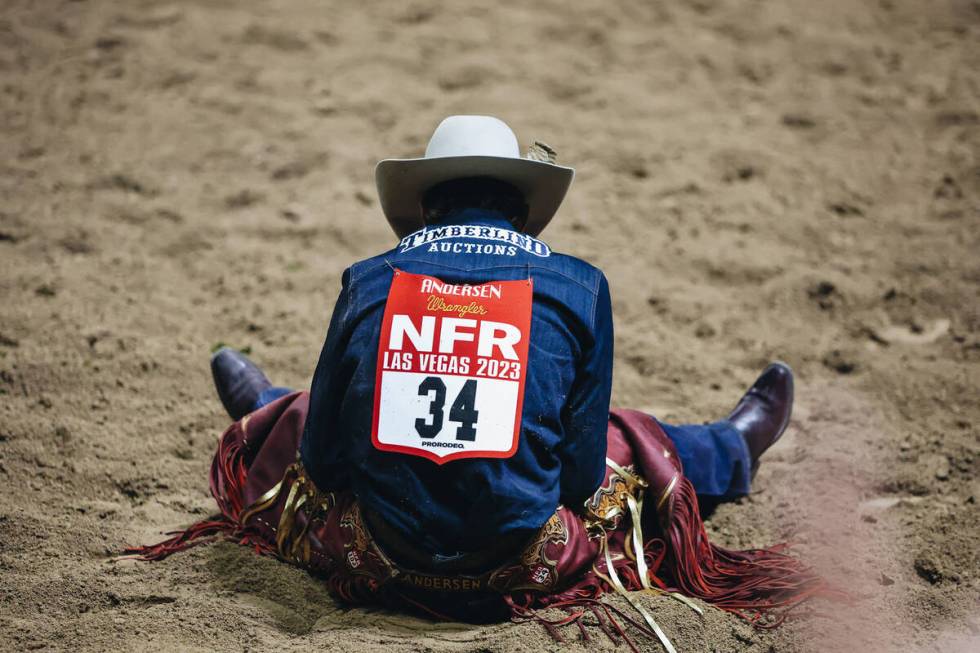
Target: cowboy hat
(470, 146)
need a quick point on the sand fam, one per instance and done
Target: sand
(796, 180)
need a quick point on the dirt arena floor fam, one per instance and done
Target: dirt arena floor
(759, 179)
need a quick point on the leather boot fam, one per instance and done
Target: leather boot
(238, 380)
(763, 413)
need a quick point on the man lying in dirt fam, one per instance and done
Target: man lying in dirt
(456, 453)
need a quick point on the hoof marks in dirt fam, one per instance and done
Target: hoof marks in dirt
(46, 290)
(633, 166)
(948, 189)
(948, 200)
(138, 490)
(704, 331)
(13, 231)
(139, 601)
(909, 485)
(464, 77)
(957, 118)
(78, 243)
(798, 121)
(928, 570)
(293, 213)
(282, 40)
(299, 168)
(124, 183)
(914, 334)
(841, 362)
(743, 172)
(150, 18)
(364, 198)
(739, 165)
(935, 464)
(845, 209)
(109, 43)
(825, 294)
(135, 215)
(243, 199)
(414, 15)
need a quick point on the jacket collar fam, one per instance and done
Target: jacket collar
(486, 217)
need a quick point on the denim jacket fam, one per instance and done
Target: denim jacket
(464, 504)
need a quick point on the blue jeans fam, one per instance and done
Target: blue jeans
(715, 457)
(269, 395)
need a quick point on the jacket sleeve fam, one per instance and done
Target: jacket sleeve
(586, 414)
(321, 450)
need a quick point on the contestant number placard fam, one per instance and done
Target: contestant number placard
(451, 366)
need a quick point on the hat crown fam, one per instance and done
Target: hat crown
(473, 136)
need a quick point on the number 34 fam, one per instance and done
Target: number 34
(463, 409)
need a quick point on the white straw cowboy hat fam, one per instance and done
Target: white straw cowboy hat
(472, 146)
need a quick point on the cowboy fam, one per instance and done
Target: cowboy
(470, 211)
(459, 412)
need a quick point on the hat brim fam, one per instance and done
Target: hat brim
(402, 182)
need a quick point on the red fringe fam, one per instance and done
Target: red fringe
(761, 586)
(228, 476)
(576, 608)
(752, 583)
